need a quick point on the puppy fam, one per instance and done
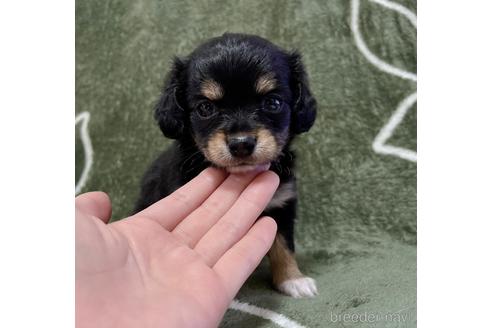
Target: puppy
(237, 102)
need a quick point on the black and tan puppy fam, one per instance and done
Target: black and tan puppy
(236, 102)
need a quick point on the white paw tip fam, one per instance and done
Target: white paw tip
(299, 287)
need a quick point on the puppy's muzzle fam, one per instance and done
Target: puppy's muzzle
(241, 146)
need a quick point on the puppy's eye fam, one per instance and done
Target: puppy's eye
(205, 109)
(272, 104)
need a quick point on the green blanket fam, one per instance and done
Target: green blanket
(356, 232)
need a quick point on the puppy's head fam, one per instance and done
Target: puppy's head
(240, 98)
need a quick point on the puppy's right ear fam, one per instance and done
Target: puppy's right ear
(168, 112)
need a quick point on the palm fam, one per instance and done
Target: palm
(161, 262)
(179, 269)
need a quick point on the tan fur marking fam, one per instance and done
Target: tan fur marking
(212, 90)
(266, 146)
(265, 83)
(282, 261)
(216, 148)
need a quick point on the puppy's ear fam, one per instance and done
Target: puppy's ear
(304, 108)
(168, 111)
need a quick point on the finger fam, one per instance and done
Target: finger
(175, 207)
(96, 203)
(192, 228)
(237, 221)
(237, 264)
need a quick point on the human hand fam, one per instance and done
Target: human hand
(178, 263)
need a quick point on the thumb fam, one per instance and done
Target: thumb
(96, 203)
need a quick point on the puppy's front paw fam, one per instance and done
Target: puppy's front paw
(299, 287)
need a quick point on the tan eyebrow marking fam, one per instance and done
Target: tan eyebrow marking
(212, 90)
(265, 83)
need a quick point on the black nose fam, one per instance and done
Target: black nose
(242, 146)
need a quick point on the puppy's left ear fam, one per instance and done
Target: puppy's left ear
(304, 104)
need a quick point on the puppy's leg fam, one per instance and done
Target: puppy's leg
(287, 277)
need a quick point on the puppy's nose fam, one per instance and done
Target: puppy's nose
(241, 146)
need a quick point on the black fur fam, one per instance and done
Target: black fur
(236, 61)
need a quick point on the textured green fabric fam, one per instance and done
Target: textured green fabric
(356, 231)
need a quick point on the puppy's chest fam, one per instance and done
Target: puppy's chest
(285, 192)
